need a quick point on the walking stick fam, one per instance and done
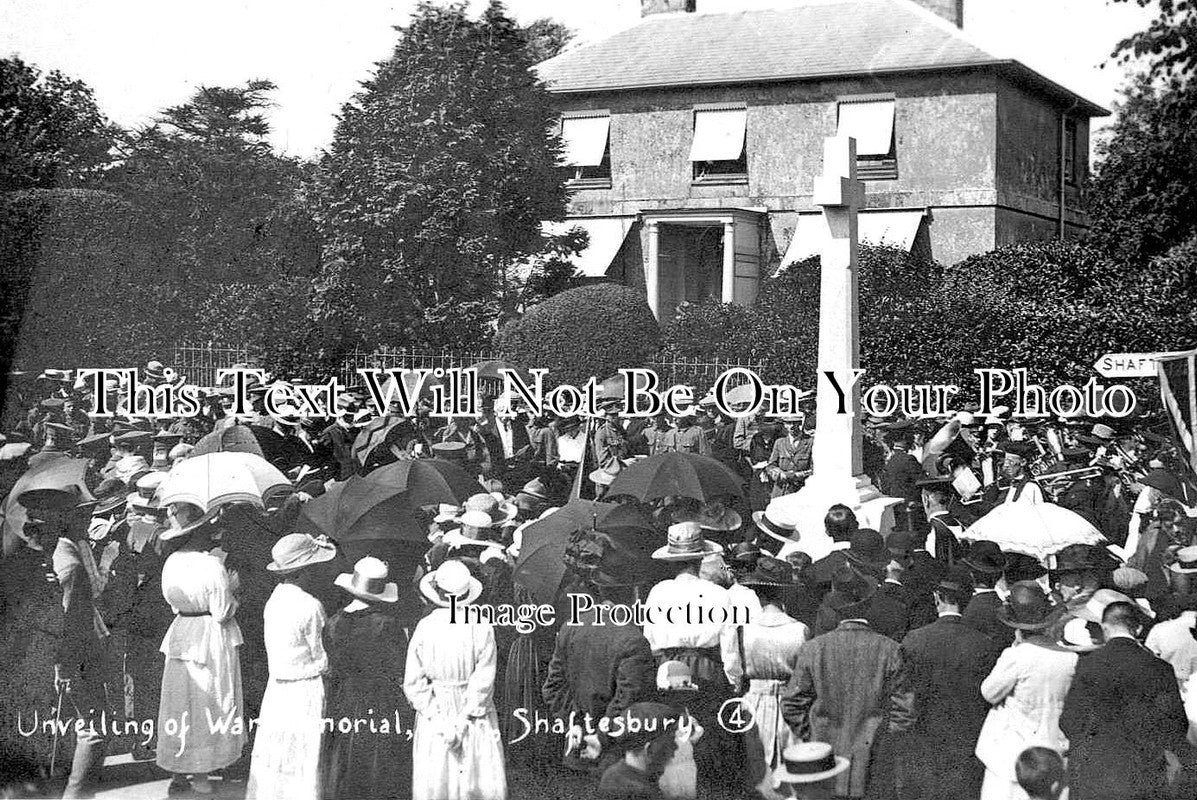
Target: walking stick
(57, 729)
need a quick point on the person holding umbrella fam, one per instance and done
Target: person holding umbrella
(287, 755)
(449, 679)
(202, 675)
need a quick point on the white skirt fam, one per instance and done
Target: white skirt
(200, 728)
(472, 771)
(286, 763)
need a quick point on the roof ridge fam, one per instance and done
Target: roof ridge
(944, 25)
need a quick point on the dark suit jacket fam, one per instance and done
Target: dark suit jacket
(920, 578)
(599, 670)
(889, 613)
(1122, 712)
(947, 546)
(946, 662)
(899, 476)
(981, 614)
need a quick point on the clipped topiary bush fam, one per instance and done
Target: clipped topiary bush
(580, 333)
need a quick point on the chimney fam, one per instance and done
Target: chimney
(666, 6)
(951, 10)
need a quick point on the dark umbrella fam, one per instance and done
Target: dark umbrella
(540, 567)
(357, 511)
(56, 473)
(676, 475)
(234, 439)
(378, 432)
(427, 481)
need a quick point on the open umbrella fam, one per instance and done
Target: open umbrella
(540, 567)
(359, 510)
(677, 475)
(233, 439)
(216, 479)
(427, 481)
(1037, 530)
(56, 473)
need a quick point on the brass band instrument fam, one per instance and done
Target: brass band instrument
(1055, 483)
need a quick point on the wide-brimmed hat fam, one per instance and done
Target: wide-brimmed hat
(744, 554)
(985, 557)
(809, 762)
(674, 676)
(368, 583)
(97, 441)
(1129, 579)
(110, 495)
(61, 498)
(685, 542)
(781, 531)
(1186, 561)
(535, 489)
(1028, 607)
(726, 520)
(1095, 606)
(867, 549)
(452, 579)
(1163, 481)
(957, 579)
(605, 476)
(769, 571)
(298, 550)
(851, 592)
(499, 510)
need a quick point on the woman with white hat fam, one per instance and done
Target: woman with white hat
(202, 674)
(286, 763)
(449, 680)
(367, 649)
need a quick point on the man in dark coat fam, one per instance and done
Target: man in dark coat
(946, 662)
(985, 562)
(900, 477)
(889, 613)
(600, 670)
(1122, 713)
(849, 688)
(936, 495)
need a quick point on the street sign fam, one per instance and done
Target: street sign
(1127, 365)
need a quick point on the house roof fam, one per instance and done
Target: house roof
(817, 39)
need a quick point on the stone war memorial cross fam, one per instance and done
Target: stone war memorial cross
(838, 468)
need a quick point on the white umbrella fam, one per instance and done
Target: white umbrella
(1036, 530)
(216, 479)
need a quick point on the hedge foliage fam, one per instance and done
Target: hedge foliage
(584, 332)
(1051, 307)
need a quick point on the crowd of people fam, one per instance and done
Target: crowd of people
(233, 640)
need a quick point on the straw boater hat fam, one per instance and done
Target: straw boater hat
(781, 531)
(498, 510)
(368, 583)
(605, 476)
(808, 762)
(451, 579)
(298, 550)
(686, 543)
(1186, 561)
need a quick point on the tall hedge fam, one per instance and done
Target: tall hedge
(584, 332)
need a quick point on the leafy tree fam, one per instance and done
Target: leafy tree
(220, 205)
(51, 132)
(590, 331)
(546, 38)
(1170, 42)
(439, 175)
(1143, 198)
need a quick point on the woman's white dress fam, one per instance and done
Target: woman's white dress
(449, 681)
(286, 763)
(200, 728)
(1027, 687)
